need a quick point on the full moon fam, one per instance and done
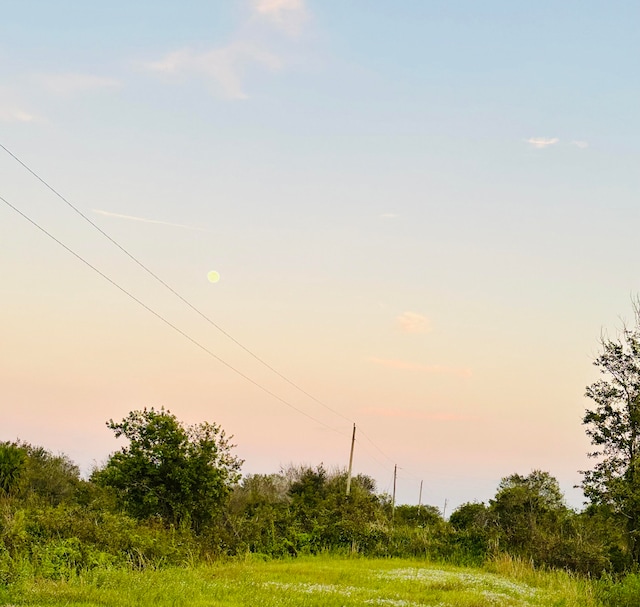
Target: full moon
(213, 276)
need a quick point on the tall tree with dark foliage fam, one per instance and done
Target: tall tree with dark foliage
(613, 426)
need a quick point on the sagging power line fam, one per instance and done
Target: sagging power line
(167, 286)
(190, 305)
(165, 320)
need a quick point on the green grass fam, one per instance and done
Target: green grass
(312, 581)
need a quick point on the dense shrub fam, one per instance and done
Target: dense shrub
(53, 524)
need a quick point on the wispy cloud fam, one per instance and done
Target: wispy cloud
(403, 365)
(14, 107)
(580, 144)
(288, 15)
(223, 66)
(15, 114)
(226, 67)
(542, 142)
(414, 414)
(74, 83)
(145, 220)
(412, 322)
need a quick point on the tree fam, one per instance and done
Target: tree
(28, 471)
(258, 516)
(473, 531)
(472, 515)
(179, 474)
(12, 464)
(417, 516)
(52, 478)
(529, 512)
(613, 427)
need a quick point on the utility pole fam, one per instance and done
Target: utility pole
(353, 442)
(395, 476)
(420, 498)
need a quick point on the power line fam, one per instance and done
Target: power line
(186, 302)
(167, 286)
(164, 320)
(376, 446)
(409, 474)
(375, 459)
(187, 336)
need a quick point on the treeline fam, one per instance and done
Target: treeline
(173, 495)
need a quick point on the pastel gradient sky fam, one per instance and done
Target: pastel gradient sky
(424, 213)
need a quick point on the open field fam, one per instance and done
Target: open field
(309, 581)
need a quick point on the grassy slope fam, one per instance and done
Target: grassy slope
(312, 581)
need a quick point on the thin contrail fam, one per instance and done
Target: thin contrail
(145, 220)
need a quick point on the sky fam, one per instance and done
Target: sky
(423, 215)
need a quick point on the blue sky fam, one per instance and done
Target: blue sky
(424, 213)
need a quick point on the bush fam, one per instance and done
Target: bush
(625, 593)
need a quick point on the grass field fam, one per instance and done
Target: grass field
(311, 581)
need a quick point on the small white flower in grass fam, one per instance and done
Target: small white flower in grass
(495, 587)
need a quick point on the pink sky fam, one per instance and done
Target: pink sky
(427, 234)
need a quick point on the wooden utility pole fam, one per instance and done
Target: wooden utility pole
(353, 442)
(395, 476)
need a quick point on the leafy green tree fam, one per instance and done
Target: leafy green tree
(472, 515)
(306, 509)
(258, 516)
(51, 478)
(613, 427)
(529, 512)
(357, 521)
(308, 493)
(474, 530)
(417, 516)
(12, 465)
(31, 472)
(179, 474)
(595, 541)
